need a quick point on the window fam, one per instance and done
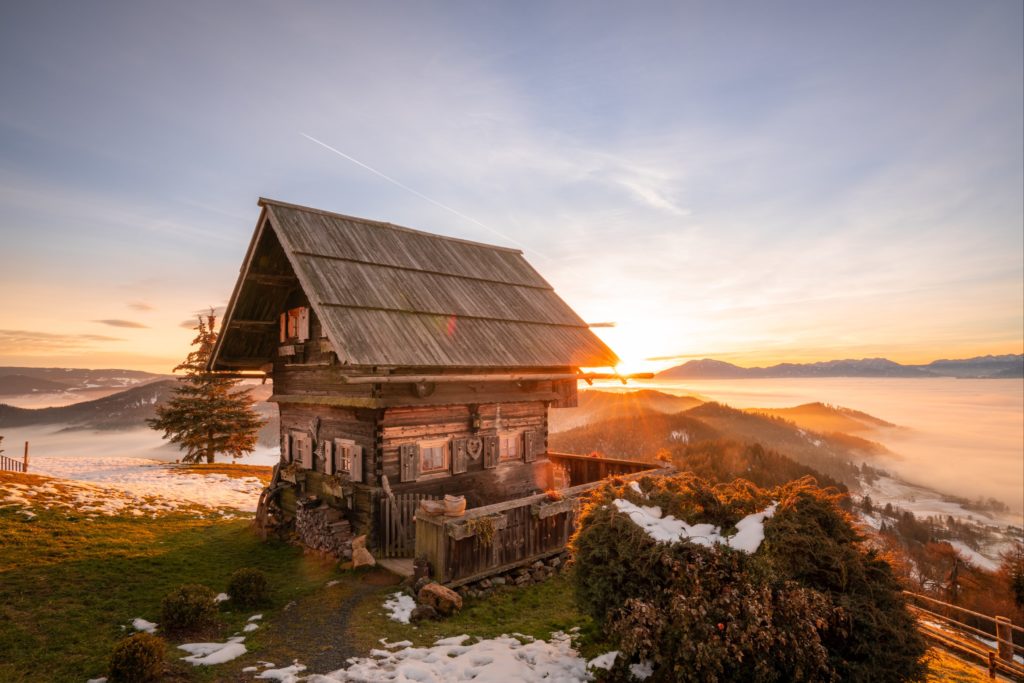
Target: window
(302, 450)
(347, 458)
(509, 446)
(295, 324)
(343, 451)
(433, 457)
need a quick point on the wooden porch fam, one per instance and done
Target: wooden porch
(496, 538)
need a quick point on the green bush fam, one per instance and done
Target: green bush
(188, 608)
(249, 587)
(137, 659)
(810, 604)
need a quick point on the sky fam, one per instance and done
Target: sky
(754, 182)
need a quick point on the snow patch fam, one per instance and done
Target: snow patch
(140, 624)
(605, 661)
(972, 556)
(668, 529)
(100, 485)
(206, 654)
(400, 607)
(641, 671)
(449, 660)
(288, 674)
(221, 597)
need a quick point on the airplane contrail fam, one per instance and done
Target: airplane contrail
(421, 195)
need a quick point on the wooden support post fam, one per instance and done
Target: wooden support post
(25, 461)
(991, 664)
(1004, 636)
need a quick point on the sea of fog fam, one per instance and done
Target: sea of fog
(55, 442)
(960, 436)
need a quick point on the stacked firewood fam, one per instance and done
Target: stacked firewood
(323, 528)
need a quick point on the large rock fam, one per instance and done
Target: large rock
(361, 557)
(444, 600)
(421, 613)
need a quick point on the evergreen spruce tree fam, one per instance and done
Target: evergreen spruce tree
(207, 415)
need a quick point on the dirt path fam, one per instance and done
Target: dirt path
(314, 631)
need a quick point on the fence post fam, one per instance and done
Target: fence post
(1004, 635)
(25, 461)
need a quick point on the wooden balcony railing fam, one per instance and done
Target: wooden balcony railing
(496, 538)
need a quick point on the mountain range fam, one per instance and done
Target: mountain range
(19, 381)
(981, 367)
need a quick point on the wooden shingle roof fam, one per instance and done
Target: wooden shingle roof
(392, 296)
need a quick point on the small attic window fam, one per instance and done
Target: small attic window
(295, 325)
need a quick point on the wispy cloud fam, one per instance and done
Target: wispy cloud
(140, 306)
(114, 322)
(34, 342)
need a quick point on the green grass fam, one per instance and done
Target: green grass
(69, 589)
(536, 611)
(68, 586)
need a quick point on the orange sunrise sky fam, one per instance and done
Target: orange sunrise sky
(750, 182)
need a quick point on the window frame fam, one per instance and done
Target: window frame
(507, 437)
(446, 457)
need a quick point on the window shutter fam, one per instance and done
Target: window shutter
(303, 331)
(492, 448)
(409, 456)
(284, 327)
(286, 448)
(329, 457)
(307, 452)
(530, 445)
(459, 456)
(357, 464)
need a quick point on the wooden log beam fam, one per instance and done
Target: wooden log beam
(272, 279)
(254, 324)
(493, 377)
(259, 364)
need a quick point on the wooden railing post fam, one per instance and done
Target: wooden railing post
(25, 461)
(1004, 636)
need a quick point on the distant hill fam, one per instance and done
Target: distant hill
(605, 405)
(639, 432)
(980, 367)
(637, 437)
(28, 381)
(124, 410)
(1007, 367)
(17, 385)
(822, 417)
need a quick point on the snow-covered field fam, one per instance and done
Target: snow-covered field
(505, 659)
(95, 485)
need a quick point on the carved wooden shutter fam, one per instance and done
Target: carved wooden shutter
(286, 447)
(492, 447)
(329, 450)
(303, 324)
(459, 456)
(530, 439)
(409, 456)
(357, 464)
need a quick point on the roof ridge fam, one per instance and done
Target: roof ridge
(263, 201)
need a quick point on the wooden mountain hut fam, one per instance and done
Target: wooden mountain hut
(405, 365)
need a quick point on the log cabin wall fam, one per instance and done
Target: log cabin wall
(357, 424)
(481, 486)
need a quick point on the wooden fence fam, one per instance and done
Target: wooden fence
(945, 624)
(496, 538)
(396, 523)
(584, 469)
(13, 465)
